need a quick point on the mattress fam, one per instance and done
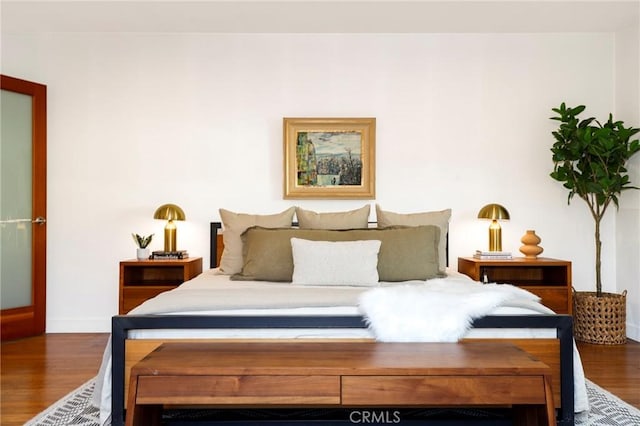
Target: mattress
(212, 293)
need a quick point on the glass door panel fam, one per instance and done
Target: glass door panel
(15, 199)
(23, 208)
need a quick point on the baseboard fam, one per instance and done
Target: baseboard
(86, 325)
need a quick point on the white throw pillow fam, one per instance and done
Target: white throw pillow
(353, 263)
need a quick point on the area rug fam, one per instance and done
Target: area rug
(76, 409)
(73, 409)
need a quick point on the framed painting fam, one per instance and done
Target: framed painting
(329, 158)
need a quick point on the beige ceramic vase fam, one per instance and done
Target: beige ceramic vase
(531, 249)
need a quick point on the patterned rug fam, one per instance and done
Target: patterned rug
(75, 409)
(607, 409)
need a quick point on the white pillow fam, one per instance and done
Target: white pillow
(352, 263)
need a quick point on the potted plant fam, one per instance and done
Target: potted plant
(142, 252)
(590, 160)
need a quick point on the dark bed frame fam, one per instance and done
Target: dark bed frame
(122, 324)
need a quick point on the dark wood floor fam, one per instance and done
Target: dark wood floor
(38, 371)
(615, 368)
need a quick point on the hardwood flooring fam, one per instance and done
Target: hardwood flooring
(37, 371)
(615, 368)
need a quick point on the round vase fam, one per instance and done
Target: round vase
(142, 253)
(530, 249)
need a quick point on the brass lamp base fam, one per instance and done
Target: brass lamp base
(170, 237)
(495, 236)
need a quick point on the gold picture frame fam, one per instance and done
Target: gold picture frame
(329, 158)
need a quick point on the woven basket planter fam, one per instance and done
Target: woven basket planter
(600, 320)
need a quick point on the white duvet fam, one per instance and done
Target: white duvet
(395, 311)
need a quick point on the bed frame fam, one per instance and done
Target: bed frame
(557, 353)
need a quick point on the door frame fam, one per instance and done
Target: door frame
(31, 320)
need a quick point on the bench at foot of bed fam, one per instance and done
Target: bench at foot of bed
(341, 374)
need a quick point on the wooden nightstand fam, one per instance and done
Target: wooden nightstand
(143, 279)
(548, 278)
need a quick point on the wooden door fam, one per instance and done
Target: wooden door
(23, 180)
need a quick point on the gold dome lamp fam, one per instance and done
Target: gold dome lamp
(494, 212)
(170, 212)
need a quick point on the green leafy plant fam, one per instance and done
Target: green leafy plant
(141, 241)
(590, 160)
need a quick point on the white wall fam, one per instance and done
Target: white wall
(628, 216)
(138, 120)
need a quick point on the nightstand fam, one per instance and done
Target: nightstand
(143, 279)
(548, 278)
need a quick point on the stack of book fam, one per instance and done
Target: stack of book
(159, 255)
(492, 255)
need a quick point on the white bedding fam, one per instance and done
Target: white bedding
(212, 293)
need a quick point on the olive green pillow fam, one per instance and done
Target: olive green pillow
(440, 218)
(234, 224)
(406, 253)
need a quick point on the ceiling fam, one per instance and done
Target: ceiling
(320, 16)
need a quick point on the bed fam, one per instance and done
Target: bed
(337, 315)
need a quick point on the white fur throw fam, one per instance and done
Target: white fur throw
(435, 311)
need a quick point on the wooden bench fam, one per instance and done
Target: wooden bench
(340, 374)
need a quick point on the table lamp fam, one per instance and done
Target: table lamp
(169, 212)
(494, 212)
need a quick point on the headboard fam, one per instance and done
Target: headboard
(216, 244)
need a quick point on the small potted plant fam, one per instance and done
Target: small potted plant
(142, 252)
(590, 160)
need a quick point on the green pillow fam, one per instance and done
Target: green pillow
(406, 253)
(440, 218)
